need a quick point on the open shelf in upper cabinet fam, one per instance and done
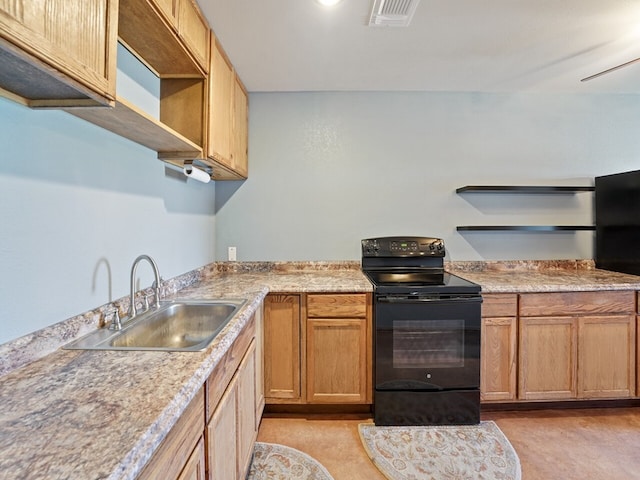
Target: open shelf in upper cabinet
(525, 189)
(179, 133)
(128, 121)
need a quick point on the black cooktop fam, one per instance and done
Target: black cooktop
(412, 281)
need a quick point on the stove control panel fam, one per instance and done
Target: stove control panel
(403, 247)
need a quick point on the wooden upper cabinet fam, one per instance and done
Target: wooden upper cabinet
(227, 119)
(194, 30)
(168, 9)
(186, 19)
(146, 29)
(220, 104)
(59, 52)
(240, 128)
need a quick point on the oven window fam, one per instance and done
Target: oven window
(428, 344)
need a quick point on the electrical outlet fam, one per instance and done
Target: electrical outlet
(232, 254)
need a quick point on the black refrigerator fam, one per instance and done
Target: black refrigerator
(617, 211)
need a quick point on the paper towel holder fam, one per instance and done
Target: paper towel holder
(200, 172)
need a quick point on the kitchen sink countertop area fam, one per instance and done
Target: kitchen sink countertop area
(102, 414)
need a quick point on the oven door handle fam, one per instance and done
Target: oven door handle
(430, 299)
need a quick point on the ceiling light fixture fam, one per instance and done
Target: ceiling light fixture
(328, 3)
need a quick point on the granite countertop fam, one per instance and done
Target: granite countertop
(101, 414)
(543, 276)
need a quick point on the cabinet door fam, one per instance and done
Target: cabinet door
(194, 30)
(221, 84)
(195, 466)
(73, 41)
(606, 356)
(221, 437)
(240, 158)
(498, 359)
(246, 419)
(336, 360)
(168, 9)
(282, 362)
(259, 319)
(547, 364)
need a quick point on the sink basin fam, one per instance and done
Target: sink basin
(183, 326)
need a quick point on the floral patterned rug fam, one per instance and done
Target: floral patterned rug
(460, 452)
(277, 462)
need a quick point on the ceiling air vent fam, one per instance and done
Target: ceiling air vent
(392, 13)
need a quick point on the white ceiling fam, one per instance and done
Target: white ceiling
(451, 45)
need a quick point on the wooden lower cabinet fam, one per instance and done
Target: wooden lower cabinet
(233, 425)
(336, 360)
(318, 348)
(577, 345)
(247, 427)
(548, 353)
(214, 437)
(175, 453)
(498, 359)
(606, 356)
(337, 347)
(221, 437)
(195, 468)
(232, 430)
(282, 348)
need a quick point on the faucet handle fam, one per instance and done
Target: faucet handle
(146, 300)
(115, 324)
(157, 291)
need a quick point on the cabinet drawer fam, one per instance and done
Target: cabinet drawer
(499, 305)
(576, 303)
(352, 305)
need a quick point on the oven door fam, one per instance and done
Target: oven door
(427, 342)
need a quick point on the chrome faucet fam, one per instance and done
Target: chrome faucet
(156, 284)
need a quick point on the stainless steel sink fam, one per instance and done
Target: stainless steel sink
(182, 325)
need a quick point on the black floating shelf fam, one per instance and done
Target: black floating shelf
(524, 189)
(524, 228)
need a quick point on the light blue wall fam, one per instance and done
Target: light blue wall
(328, 169)
(77, 206)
